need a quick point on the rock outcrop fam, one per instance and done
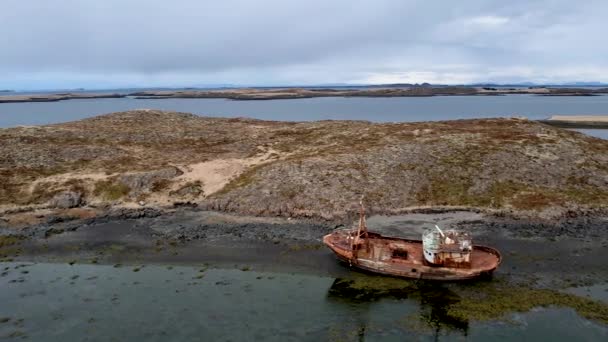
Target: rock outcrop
(66, 199)
(145, 182)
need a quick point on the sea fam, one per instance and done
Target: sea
(396, 109)
(84, 302)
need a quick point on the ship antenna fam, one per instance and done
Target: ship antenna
(440, 231)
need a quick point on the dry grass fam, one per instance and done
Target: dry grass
(110, 190)
(491, 163)
(161, 185)
(244, 179)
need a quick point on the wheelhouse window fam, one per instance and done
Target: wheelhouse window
(399, 253)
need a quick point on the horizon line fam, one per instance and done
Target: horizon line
(312, 85)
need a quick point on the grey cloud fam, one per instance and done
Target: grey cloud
(186, 42)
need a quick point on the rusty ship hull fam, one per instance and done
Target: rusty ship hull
(404, 257)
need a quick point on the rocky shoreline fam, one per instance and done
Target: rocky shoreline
(554, 254)
(551, 258)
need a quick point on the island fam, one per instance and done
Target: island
(278, 93)
(56, 97)
(304, 169)
(155, 187)
(578, 121)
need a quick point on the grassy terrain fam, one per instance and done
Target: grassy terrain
(110, 190)
(318, 168)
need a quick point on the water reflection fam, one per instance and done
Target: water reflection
(62, 302)
(434, 301)
(432, 316)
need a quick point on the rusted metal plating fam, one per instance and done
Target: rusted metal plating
(448, 255)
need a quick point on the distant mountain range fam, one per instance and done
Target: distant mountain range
(532, 84)
(397, 85)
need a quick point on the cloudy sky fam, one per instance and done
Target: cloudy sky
(123, 43)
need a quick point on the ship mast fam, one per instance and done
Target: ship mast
(361, 231)
(362, 223)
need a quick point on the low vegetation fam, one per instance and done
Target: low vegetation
(110, 190)
(319, 168)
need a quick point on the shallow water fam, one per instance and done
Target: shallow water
(59, 302)
(597, 291)
(598, 133)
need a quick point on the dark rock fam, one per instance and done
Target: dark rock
(191, 189)
(134, 213)
(184, 204)
(53, 231)
(52, 219)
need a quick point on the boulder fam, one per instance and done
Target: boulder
(191, 189)
(144, 182)
(67, 199)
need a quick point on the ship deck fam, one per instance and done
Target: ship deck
(378, 256)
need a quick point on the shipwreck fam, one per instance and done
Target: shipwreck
(440, 255)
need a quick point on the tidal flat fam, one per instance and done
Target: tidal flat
(58, 302)
(195, 274)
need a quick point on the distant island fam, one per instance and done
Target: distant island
(368, 91)
(54, 97)
(578, 121)
(276, 93)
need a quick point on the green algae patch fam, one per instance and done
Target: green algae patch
(379, 284)
(10, 240)
(306, 247)
(493, 300)
(362, 288)
(470, 301)
(10, 246)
